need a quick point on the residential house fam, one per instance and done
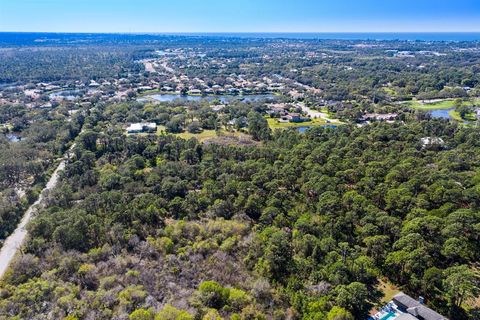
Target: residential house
(379, 117)
(404, 307)
(415, 308)
(432, 141)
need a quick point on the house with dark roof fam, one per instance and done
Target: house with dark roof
(406, 316)
(415, 308)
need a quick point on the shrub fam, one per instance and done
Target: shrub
(338, 313)
(212, 314)
(238, 299)
(172, 313)
(213, 295)
(141, 314)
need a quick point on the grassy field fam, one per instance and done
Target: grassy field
(444, 104)
(215, 136)
(274, 124)
(204, 135)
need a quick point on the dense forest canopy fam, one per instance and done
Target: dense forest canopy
(305, 225)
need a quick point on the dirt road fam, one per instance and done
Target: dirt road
(13, 243)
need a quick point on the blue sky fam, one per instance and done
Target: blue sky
(240, 15)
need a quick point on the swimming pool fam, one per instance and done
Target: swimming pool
(389, 316)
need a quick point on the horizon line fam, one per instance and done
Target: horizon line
(236, 32)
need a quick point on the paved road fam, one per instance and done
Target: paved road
(17, 238)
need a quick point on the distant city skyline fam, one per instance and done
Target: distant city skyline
(149, 16)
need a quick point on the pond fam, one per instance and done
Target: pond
(304, 129)
(441, 113)
(221, 98)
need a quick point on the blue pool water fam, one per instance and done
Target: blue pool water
(389, 316)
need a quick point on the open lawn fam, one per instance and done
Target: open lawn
(274, 124)
(443, 104)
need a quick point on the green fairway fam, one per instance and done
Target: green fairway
(439, 105)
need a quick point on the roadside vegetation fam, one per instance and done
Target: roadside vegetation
(30, 143)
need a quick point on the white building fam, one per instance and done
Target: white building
(142, 127)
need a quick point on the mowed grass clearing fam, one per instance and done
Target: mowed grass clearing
(445, 104)
(275, 124)
(205, 134)
(212, 135)
(202, 136)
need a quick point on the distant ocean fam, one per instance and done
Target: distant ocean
(406, 36)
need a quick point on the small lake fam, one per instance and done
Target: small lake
(221, 98)
(441, 113)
